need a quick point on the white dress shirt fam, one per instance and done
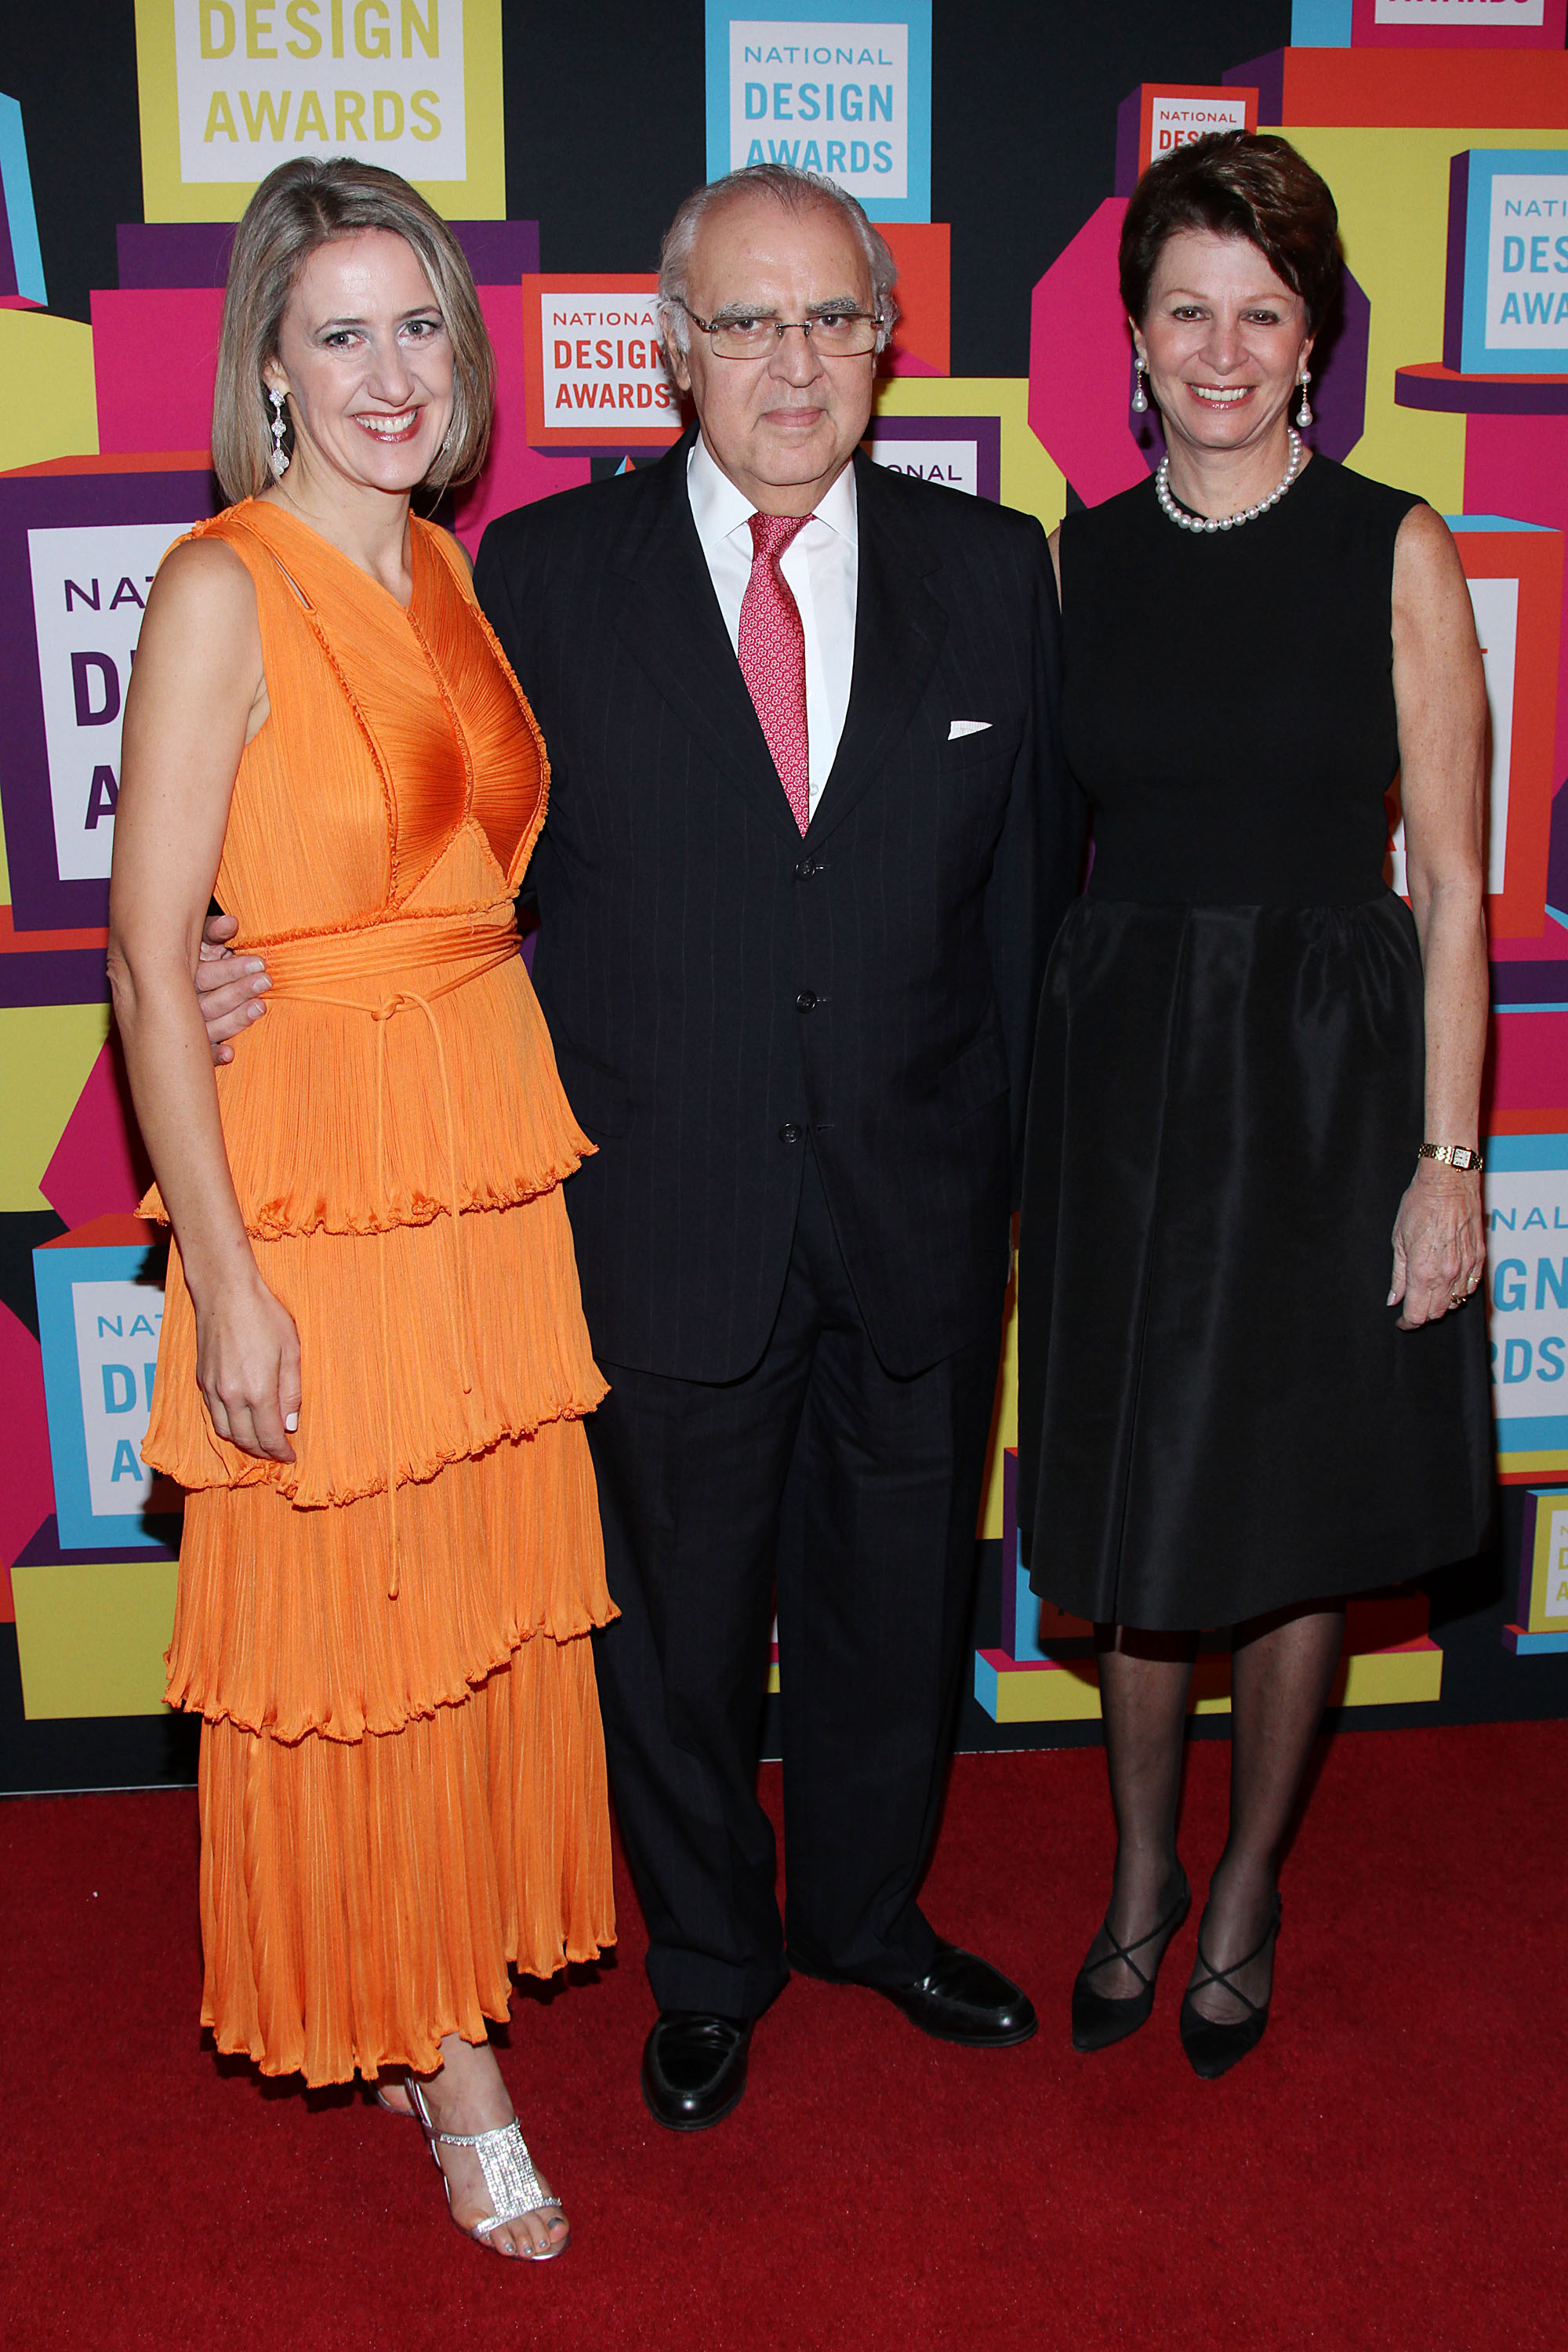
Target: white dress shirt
(821, 566)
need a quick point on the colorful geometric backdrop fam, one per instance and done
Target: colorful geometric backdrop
(997, 145)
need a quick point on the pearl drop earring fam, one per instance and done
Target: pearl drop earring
(1305, 417)
(1139, 397)
(278, 457)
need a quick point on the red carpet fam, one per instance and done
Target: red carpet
(1387, 2170)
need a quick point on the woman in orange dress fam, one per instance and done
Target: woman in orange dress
(374, 1364)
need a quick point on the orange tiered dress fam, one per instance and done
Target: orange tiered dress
(402, 1765)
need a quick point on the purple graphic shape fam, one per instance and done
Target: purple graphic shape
(1556, 876)
(53, 976)
(1337, 387)
(1428, 385)
(40, 900)
(173, 253)
(984, 432)
(1454, 276)
(1129, 124)
(10, 289)
(1266, 74)
(195, 253)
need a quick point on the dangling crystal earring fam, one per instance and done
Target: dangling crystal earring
(279, 457)
(1305, 417)
(1139, 397)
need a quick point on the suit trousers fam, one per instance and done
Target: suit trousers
(854, 1494)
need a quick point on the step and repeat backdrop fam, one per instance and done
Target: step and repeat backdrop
(996, 145)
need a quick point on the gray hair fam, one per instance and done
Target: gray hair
(798, 192)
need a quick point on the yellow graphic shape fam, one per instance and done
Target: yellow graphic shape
(48, 405)
(47, 1053)
(1069, 1692)
(1004, 1425)
(1030, 479)
(266, 27)
(1392, 190)
(91, 1636)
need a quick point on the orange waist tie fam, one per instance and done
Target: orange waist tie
(304, 970)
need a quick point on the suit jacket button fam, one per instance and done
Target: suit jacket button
(807, 1001)
(807, 867)
(789, 1132)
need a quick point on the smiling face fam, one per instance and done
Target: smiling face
(783, 427)
(1224, 341)
(366, 360)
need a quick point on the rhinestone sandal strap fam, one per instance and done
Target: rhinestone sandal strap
(510, 2177)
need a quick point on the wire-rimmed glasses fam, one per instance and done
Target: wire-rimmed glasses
(835, 334)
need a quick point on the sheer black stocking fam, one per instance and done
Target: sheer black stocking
(1143, 1683)
(1282, 1669)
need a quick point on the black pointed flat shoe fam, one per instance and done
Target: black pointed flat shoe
(694, 2068)
(1213, 2049)
(1098, 2020)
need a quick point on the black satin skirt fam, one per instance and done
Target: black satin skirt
(1218, 1415)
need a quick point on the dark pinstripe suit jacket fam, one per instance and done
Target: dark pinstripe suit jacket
(716, 985)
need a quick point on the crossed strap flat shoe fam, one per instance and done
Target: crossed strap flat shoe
(1213, 2049)
(694, 2068)
(960, 1998)
(1097, 2019)
(514, 2186)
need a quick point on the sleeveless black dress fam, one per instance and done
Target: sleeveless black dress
(1217, 1414)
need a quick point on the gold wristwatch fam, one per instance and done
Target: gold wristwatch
(1455, 1155)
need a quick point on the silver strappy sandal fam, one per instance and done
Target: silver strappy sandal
(515, 2188)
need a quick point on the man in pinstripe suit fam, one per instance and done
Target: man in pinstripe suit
(809, 837)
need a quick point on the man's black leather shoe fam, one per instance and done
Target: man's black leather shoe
(694, 2068)
(960, 1998)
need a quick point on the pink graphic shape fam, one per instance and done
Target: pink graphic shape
(1080, 361)
(100, 1167)
(1530, 1062)
(154, 356)
(1517, 465)
(514, 475)
(27, 1489)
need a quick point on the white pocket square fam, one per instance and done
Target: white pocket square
(958, 726)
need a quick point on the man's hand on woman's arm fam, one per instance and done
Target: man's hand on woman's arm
(230, 990)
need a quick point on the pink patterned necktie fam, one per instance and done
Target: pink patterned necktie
(772, 657)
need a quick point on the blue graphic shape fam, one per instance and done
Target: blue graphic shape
(16, 185)
(1321, 23)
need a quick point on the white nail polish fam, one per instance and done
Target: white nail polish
(290, 1421)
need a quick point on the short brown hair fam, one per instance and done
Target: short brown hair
(302, 205)
(1243, 183)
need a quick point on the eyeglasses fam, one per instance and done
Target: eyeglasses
(835, 334)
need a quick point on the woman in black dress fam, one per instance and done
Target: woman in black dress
(1257, 1088)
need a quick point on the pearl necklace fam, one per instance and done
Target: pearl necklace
(1225, 522)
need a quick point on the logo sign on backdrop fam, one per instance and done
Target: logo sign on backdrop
(1543, 1576)
(962, 452)
(1507, 311)
(1514, 572)
(99, 1309)
(844, 91)
(90, 588)
(76, 554)
(1172, 114)
(593, 371)
(1457, 23)
(230, 89)
(1526, 1189)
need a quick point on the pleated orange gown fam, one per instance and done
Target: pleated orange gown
(402, 1766)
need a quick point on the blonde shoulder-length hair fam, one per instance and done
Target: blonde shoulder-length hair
(310, 203)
